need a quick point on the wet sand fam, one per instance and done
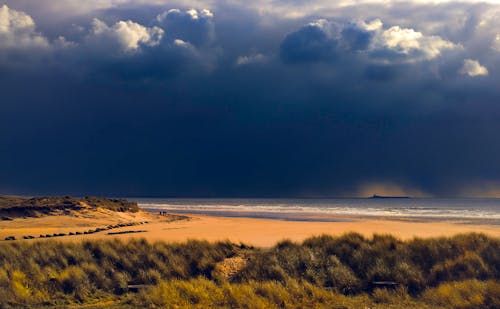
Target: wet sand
(252, 231)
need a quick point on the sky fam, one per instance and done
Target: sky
(229, 98)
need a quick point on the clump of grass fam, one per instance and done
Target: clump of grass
(351, 263)
(465, 294)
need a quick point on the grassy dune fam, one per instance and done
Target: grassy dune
(349, 271)
(15, 206)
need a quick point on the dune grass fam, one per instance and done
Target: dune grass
(322, 272)
(15, 204)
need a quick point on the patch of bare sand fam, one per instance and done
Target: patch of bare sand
(229, 267)
(265, 233)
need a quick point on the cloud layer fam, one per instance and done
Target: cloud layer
(224, 98)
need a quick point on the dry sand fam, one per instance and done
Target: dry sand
(257, 232)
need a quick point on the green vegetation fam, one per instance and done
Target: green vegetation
(323, 272)
(22, 206)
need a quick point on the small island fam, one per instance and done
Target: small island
(382, 196)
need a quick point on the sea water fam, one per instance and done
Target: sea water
(484, 209)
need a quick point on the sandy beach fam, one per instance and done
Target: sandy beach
(265, 232)
(251, 231)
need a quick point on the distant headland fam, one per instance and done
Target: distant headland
(15, 206)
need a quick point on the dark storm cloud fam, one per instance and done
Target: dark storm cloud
(171, 100)
(383, 72)
(308, 44)
(196, 27)
(356, 37)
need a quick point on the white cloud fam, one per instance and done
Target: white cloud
(373, 25)
(413, 44)
(17, 29)
(130, 36)
(186, 45)
(251, 59)
(404, 40)
(473, 68)
(203, 13)
(180, 42)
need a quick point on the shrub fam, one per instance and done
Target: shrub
(464, 294)
(467, 266)
(73, 280)
(492, 295)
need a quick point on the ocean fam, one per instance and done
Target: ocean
(474, 209)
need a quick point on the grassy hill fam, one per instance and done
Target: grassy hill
(322, 272)
(35, 206)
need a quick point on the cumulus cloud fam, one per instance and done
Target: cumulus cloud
(312, 42)
(131, 52)
(473, 68)
(18, 30)
(128, 36)
(193, 26)
(284, 9)
(408, 45)
(322, 40)
(121, 50)
(358, 35)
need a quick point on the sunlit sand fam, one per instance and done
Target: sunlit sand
(257, 232)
